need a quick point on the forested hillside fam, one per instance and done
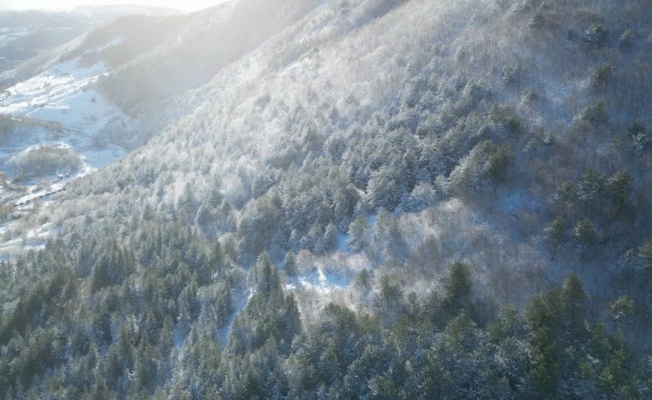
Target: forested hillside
(377, 199)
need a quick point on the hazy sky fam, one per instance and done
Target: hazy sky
(188, 5)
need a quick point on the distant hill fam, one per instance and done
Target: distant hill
(113, 11)
(26, 34)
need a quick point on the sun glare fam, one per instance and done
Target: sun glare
(191, 5)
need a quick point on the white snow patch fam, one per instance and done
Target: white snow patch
(342, 243)
(178, 338)
(32, 239)
(38, 192)
(320, 281)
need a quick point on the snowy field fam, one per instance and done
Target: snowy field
(63, 94)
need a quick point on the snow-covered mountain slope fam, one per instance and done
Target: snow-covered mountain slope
(58, 102)
(401, 106)
(201, 44)
(399, 198)
(344, 110)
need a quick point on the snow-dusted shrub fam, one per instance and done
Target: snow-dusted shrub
(422, 196)
(627, 38)
(42, 160)
(601, 76)
(597, 34)
(485, 165)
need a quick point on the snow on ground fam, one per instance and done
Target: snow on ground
(39, 192)
(319, 281)
(343, 243)
(30, 239)
(324, 279)
(63, 94)
(50, 89)
(179, 337)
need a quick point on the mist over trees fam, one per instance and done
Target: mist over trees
(380, 199)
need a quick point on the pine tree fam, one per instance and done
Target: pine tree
(619, 186)
(458, 291)
(555, 232)
(290, 264)
(267, 280)
(584, 233)
(329, 240)
(358, 233)
(574, 300)
(645, 253)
